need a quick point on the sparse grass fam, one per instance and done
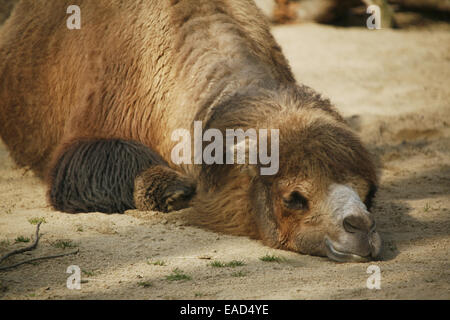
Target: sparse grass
(145, 284)
(37, 220)
(239, 274)
(427, 207)
(63, 244)
(271, 258)
(235, 263)
(231, 264)
(88, 273)
(22, 239)
(178, 275)
(217, 264)
(157, 263)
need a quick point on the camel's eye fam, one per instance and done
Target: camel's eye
(296, 201)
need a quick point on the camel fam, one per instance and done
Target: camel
(92, 111)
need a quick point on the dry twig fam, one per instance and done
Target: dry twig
(22, 250)
(30, 248)
(38, 258)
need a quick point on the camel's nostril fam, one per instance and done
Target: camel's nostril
(355, 223)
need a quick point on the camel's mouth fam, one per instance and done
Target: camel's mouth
(340, 256)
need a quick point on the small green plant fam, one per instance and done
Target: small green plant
(235, 263)
(88, 273)
(157, 263)
(217, 264)
(63, 244)
(427, 207)
(80, 229)
(178, 275)
(37, 220)
(22, 239)
(271, 258)
(145, 284)
(231, 264)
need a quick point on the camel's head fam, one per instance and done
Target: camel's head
(317, 194)
(318, 203)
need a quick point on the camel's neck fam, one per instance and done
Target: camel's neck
(222, 76)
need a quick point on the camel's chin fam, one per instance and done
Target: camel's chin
(340, 256)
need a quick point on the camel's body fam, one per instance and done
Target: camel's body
(154, 65)
(93, 110)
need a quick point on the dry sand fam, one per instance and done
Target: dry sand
(394, 88)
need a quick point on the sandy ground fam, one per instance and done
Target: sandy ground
(394, 88)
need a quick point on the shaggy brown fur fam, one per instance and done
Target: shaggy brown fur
(137, 71)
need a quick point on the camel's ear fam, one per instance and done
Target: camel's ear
(243, 152)
(370, 195)
(248, 161)
(251, 169)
